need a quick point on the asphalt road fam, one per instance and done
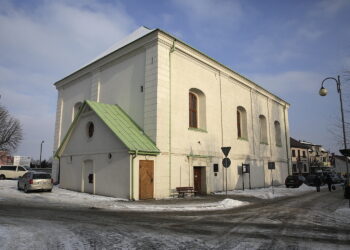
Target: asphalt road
(304, 222)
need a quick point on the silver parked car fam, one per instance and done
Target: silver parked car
(35, 181)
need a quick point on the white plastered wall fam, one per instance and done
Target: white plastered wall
(112, 176)
(186, 72)
(115, 81)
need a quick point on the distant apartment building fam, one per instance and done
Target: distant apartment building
(318, 157)
(308, 158)
(300, 157)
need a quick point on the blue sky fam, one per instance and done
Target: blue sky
(287, 47)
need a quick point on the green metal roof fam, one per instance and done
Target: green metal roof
(131, 135)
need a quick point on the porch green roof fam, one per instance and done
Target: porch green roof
(129, 133)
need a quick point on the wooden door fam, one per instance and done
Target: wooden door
(146, 180)
(197, 175)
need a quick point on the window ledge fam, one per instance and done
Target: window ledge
(242, 139)
(198, 130)
(279, 145)
(264, 143)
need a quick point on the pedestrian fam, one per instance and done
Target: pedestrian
(329, 182)
(317, 182)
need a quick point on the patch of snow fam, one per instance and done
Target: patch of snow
(136, 34)
(224, 204)
(343, 212)
(270, 193)
(230, 203)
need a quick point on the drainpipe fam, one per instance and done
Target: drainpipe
(172, 49)
(59, 170)
(285, 134)
(132, 175)
(222, 130)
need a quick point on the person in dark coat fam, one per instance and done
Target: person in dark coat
(317, 182)
(329, 182)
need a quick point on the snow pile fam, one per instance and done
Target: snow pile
(271, 192)
(229, 203)
(343, 212)
(221, 205)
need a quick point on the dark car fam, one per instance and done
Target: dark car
(336, 179)
(294, 181)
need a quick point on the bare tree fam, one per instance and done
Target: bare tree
(10, 131)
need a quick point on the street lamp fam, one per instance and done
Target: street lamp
(323, 92)
(41, 149)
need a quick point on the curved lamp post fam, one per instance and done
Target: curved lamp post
(41, 149)
(323, 92)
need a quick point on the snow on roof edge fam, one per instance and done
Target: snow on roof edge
(135, 35)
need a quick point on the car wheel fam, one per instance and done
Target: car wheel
(49, 190)
(287, 186)
(2, 177)
(26, 189)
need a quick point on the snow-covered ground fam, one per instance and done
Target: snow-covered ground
(271, 193)
(293, 224)
(63, 197)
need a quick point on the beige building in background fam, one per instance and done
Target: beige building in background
(185, 106)
(300, 157)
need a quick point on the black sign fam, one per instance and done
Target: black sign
(345, 152)
(245, 168)
(216, 168)
(226, 162)
(271, 165)
(226, 150)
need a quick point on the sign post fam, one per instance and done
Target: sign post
(271, 166)
(226, 162)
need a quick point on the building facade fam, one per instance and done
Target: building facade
(300, 157)
(187, 104)
(319, 158)
(340, 165)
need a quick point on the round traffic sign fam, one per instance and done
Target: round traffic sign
(226, 162)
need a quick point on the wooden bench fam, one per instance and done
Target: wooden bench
(181, 191)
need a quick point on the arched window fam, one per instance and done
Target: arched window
(193, 110)
(278, 134)
(242, 123)
(197, 109)
(263, 129)
(76, 109)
